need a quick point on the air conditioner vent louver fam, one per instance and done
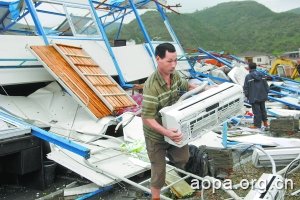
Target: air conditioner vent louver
(203, 112)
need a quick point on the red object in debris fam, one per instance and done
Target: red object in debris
(213, 62)
(249, 113)
(138, 98)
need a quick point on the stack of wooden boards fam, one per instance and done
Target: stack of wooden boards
(81, 77)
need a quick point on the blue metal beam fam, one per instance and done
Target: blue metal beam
(22, 61)
(60, 141)
(115, 19)
(14, 22)
(36, 20)
(50, 12)
(215, 57)
(74, 38)
(141, 25)
(284, 102)
(276, 77)
(18, 31)
(278, 93)
(18, 59)
(3, 18)
(195, 74)
(288, 89)
(170, 29)
(119, 29)
(122, 18)
(50, 137)
(118, 9)
(4, 4)
(20, 66)
(112, 12)
(111, 53)
(108, 5)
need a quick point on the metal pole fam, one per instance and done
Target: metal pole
(50, 137)
(111, 53)
(36, 20)
(170, 30)
(141, 25)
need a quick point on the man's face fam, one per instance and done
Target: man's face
(167, 64)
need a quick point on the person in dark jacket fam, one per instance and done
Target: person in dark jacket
(256, 90)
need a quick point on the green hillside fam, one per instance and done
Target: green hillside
(295, 11)
(235, 27)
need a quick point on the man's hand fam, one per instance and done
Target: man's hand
(174, 135)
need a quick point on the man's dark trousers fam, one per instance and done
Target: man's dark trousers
(260, 114)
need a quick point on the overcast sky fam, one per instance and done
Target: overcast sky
(193, 5)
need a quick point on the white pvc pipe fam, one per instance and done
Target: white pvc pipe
(196, 90)
(270, 157)
(284, 169)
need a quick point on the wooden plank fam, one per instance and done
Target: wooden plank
(109, 101)
(86, 74)
(101, 80)
(54, 62)
(85, 64)
(69, 79)
(118, 94)
(75, 55)
(120, 100)
(65, 45)
(104, 86)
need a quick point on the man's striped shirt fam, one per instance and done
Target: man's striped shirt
(156, 96)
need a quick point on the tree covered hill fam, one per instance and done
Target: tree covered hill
(295, 10)
(235, 27)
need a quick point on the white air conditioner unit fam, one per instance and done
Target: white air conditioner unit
(203, 112)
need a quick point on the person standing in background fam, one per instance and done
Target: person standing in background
(256, 90)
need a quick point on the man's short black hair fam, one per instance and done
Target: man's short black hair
(161, 49)
(252, 65)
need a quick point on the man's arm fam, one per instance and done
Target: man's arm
(193, 86)
(174, 135)
(246, 88)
